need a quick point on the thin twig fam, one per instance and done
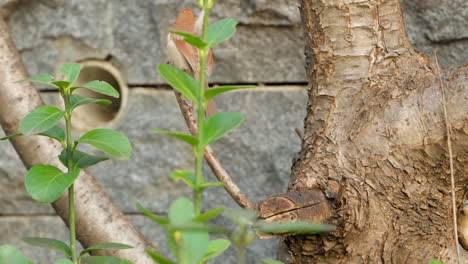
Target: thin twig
(449, 144)
(241, 199)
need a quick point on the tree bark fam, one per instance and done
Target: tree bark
(98, 220)
(374, 139)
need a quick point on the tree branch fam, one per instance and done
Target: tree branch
(98, 219)
(241, 199)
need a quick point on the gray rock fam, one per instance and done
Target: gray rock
(432, 25)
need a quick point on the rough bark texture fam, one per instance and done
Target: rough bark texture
(98, 220)
(374, 140)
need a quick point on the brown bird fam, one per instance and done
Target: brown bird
(185, 56)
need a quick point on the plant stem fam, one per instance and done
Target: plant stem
(71, 192)
(200, 151)
(241, 255)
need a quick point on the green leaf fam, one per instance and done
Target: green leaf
(160, 220)
(293, 228)
(187, 176)
(212, 92)
(55, 132)
(43, 78)
(49, 243)
(207, 216)
(80, 159)
(45, 183)
(108, 245)
(71, 71)
(40, 120)
(180, 81)
(272, 261)
(111, 142)
(191, 39)
(241, 216)
(77, 100)
(158, 258)
(185, 137)
(210, 3)
(11, 136)
(101, 87)
(61, 84)
(63, 261)
(215, 248)
(181, 211)
(434, 261)
(211, 184)
(101, 260)
(221, 31)
(9, 254)
(220, 124)
(192, 245)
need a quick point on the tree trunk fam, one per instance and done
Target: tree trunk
(374, 139)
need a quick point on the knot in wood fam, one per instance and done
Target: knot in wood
(295, 205)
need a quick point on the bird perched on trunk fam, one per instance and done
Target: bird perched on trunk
(185, 56)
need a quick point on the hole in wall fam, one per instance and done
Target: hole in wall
(92, 116)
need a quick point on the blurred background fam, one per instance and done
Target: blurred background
(122, 42)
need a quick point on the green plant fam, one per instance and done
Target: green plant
(46, 183)
(186, 226)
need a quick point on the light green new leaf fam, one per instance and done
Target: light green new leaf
(434, 261)
(43, 78)
(207, 216)
(40, 120)
(45, 183)
(77, 100)
(101, 260)
(210, 93)
(71, 71)
(221, 31)
(62, 84)
(49, 243)
(215, 248)
(63, 261)
(55, 132)
(187, 176)
(110, 141)
(80, 159)
(211, 184)
(158, 258)
(158, 219)
(108, 246)
(181, 211)
(193, 244)
(10, 254)
(191, 39)
(272, 261)
(101, 87)
(180, 81)
(185, 137)
(11, 136)
(210, 3)
(220, 124)
(293, 228)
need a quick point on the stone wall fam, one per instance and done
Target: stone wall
(268, 50)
